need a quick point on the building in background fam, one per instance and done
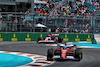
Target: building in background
(22, 5)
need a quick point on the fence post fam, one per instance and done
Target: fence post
(6, 23)
(93, 24)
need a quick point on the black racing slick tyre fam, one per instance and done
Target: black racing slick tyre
(60, 39)
(53, 38)
(78, 54)
(50, 54)
(39, 38)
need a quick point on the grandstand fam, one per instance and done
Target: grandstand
(68, 7)
(56, 7)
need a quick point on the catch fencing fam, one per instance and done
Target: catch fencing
(68, 24)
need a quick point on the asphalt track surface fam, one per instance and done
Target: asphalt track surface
(91, 56)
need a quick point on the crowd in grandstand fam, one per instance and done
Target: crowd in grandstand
(80, 7)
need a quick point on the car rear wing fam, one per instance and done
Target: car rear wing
(55, 34)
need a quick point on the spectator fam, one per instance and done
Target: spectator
(49, 30)
(57, 30)
(67, 32)
(14, 24)
(69, 22)
(86, 31)
(65, 23)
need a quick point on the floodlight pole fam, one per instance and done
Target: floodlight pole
(32, 13)
(15, 8)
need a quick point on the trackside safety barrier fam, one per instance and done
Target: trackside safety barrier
(34, 36)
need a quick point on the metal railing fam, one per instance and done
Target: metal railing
(69, 24)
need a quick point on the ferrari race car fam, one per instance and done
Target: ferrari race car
(62, 51)
(51, 38)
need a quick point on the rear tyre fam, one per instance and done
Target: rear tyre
(53, 38)
(50, 54)
(60, 39)
(78, 54)
(40, 38)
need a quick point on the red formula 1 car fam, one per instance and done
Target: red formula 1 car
(51, 38)
(63, 51)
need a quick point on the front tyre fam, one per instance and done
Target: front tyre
(78, 54)
(39, 38)
(60, 39)
(50, 54)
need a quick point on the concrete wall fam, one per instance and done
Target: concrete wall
(97, 38)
